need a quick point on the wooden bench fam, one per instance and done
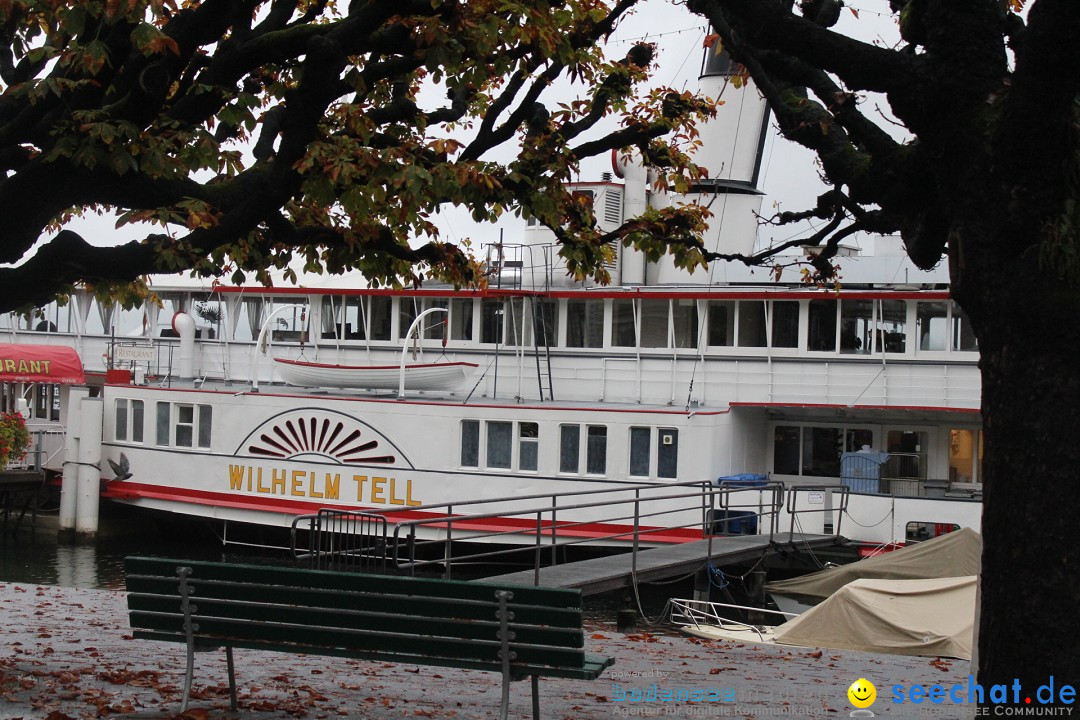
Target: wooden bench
(516, 630)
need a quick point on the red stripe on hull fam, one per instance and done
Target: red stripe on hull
(120, 490)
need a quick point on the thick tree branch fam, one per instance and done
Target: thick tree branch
(770, 24)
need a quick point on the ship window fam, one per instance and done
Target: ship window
(408, 309)
(667, 453)
(470, 443)
(857, 439)
(355, 320)
(164, 410)
(919, 531)
(684, 316)
(856, 320)
(461, 318)
(491, 321)
(892, 324)
(290, 324)
(722, 323)
(963, 335)
(121, 420)
(528, 445)
(786, 442)
(785, 324)
(499, 444)
(332, 312)
(515, 328)
(654, 323)
(931, 324)
(822, 447)
(185, 425)
(545, 322)
(434, 327)
(816, 451)
(822, 328)
(907, 454)
(585, 323)
(205, 417)
(380, 308)
(965, 455)
(129, 420)
(623, 332)
(751, 323)
(639, 451)
(596, 450)
(569, 448)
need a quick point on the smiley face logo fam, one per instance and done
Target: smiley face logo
(862, 693)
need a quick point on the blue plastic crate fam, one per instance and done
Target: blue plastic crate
(747, 480)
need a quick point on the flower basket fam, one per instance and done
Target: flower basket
(14, 438)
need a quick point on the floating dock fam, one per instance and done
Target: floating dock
(598, 575)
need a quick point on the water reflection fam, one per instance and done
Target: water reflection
(38, 559)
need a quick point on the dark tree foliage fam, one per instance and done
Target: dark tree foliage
(255, 133)
(988, 89)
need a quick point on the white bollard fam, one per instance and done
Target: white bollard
(86, 516)
(69, 487)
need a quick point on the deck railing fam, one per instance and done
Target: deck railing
(539, 530)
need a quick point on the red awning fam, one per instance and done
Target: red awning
(41, 363)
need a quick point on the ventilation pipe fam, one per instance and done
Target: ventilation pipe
(184, 326)
(635, 201)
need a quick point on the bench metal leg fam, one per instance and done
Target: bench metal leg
(505, 653)
(189, 631)
(535, 696)
(232, 676)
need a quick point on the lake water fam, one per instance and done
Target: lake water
(38, 559)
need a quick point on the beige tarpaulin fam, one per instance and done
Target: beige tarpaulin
(908, 617)
(955, 554)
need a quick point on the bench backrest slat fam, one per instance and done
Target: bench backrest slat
(332, 580)
(363, 618)
(369, 598)
(353, 614)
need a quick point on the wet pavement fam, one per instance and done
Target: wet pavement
(68, 653)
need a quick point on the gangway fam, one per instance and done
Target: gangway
(649, 531)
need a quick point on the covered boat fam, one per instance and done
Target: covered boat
(931, 618)
(423, 376)
(955, 554)
(928, 618)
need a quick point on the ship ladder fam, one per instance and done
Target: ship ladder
(541, 335)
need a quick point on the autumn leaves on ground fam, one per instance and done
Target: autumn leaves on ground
(68, 654)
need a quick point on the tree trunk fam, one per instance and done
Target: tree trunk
(1030, 355)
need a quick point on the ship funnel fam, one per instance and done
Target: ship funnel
(733, 143)
(732, 147)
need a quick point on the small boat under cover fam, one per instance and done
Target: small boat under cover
(927, 617)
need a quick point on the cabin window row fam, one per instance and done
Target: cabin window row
(820, 325)
(583, 448)
(175, 424)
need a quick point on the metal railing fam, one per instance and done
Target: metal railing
(538, 524)
(706, 614)
(341, 540)
(838, 510)
(538, 530)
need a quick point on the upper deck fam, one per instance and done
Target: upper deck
(684, 346)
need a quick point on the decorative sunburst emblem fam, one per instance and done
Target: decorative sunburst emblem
(329, 435)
